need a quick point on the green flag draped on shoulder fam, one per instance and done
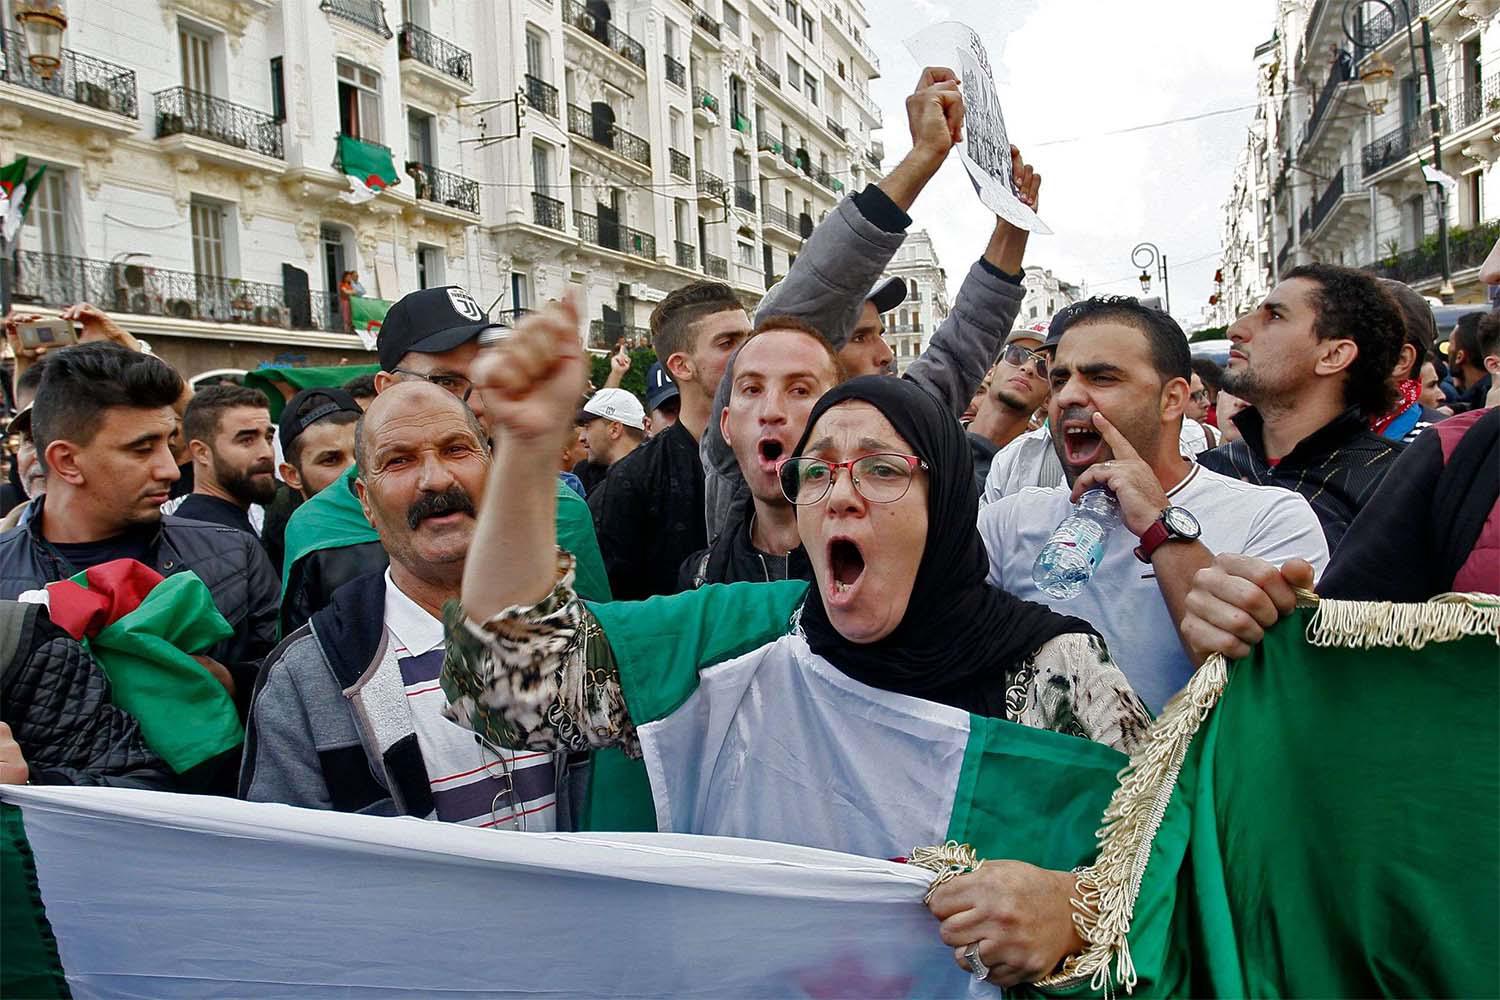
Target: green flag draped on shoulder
(1329, 825)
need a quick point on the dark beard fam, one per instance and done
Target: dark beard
(453, 499)
(245, 487)
(1011, 402)
(1241, 384)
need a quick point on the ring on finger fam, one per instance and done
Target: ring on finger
(976, 964)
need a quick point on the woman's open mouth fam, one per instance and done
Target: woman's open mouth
(846, 564)
(1081, 444)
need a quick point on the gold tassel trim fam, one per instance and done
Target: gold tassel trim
(1108, 890)
(947, 862)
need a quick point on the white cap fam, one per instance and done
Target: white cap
(617, 404)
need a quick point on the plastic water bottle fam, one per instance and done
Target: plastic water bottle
(1073, 552)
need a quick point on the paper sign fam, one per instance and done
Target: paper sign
(985, 149)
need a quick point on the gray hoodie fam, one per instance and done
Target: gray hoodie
(827, 286)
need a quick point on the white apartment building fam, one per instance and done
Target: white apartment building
(1346, 184)
(1245, 266)
(1045, 295)
(194, 189)
(910, 325)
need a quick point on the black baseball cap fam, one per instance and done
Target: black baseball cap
(431, 321)
(307, 408)
(659, 386)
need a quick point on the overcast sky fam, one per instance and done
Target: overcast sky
(1075, 70)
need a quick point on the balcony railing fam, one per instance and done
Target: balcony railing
(703, 21)
(541, 95)
(604, 32)
(56, 280)
(604, 336)
(1339, 74)
(596, 129)
(367, 13)
(1478, 102)
(687, 254)
(779, 218)
(548, 212)
(838, 130)
(715, 267)
(1395, 145)
(613, 236)
(826, 179)
(679, 164)
(180, 111)
(1377, 30)
(81, 79)
(1467, 249)
(676, 72)
(703, 99)
(872, 158)
(768, 144)
(711, 186)
(744, 198)
(764, 69)
(442, 55)
(443, 188)
(740, 123)
(1344, 182)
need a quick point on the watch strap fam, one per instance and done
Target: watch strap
(1152, 540)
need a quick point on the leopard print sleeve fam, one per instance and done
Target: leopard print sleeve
(1072, 686)
(537, 678)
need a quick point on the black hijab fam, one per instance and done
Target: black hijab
(961, 640)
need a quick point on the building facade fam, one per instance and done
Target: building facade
(910, 325)
(1346, 181)
(194, 151)
(1045, 295)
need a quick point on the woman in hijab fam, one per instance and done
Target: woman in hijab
(899, 623)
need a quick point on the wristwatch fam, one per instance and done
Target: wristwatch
(1174, 524)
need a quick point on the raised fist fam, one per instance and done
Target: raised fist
(532, 380)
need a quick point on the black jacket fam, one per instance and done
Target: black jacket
(311, 583)
(231, 563)
(648, 514)
(733, 558)
(56, 701)
(1337, 467)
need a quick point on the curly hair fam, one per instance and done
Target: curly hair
(1351, 305)
(1168, 344)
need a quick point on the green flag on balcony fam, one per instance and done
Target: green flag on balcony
(366, 315)
(16, 192)
(369, 167)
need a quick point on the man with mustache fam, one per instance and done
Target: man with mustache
(229, 434)
(347, 714)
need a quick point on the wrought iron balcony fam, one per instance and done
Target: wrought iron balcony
(1376, 31)
(768, 144)
(680, 165)
(744, 198)
(703, 99)
(1340, 73)
(81, 79)
(676, 72)
(1344, 182)
(872, 157)
(1396, 145)
(57, 280)
(604, 32)
(443, 188)
(764, 69)
(180, 111)
(366, 13)
(548, 212)
(826, 179)
(583, 122)
(711, 186)
(1478, 103)
(687, 255)
(541, 95)
(442, 55)
(782, 220)
(607, 336)
(613, 236)
(1467, 249)
(704, 22)
(715, 267)
(838, 130)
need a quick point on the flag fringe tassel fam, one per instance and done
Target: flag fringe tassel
(1108, 889)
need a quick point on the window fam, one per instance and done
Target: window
(278, 91)
(732, 20)
(793, 73)
(541, 168)
(760, 119)
(536, 46)
(915, 294)
(416, 12)
(520, 290)
(1414, 221)
(680, 220)
(736, 99)
(419, 138)
(675, 127)
(741, 170)
(208, 238)
(1474, 186)
(745, 253)
(197, 51)
(430, 267)
(359, 102)
(669, 38)
(787, 201)
(841, 70)
(49, 214)
(812, 88)
(807, 27)
(791, 11)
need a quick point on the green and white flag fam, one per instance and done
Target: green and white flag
(16, 193)
(369, 167)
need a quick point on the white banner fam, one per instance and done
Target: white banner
(158, 895)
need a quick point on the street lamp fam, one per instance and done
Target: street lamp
(43, 23)
(1143, 256)
(1376, 81)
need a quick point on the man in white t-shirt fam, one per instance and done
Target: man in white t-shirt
(1119, 386)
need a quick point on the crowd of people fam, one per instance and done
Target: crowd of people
(443, 585)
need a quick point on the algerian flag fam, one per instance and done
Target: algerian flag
(369, 167)
(1435, 176)
(367, 314)
(142, 631)
(747, 733)
(16, 192)
(281, 383)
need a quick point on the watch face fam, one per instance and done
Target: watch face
(1180, 522)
